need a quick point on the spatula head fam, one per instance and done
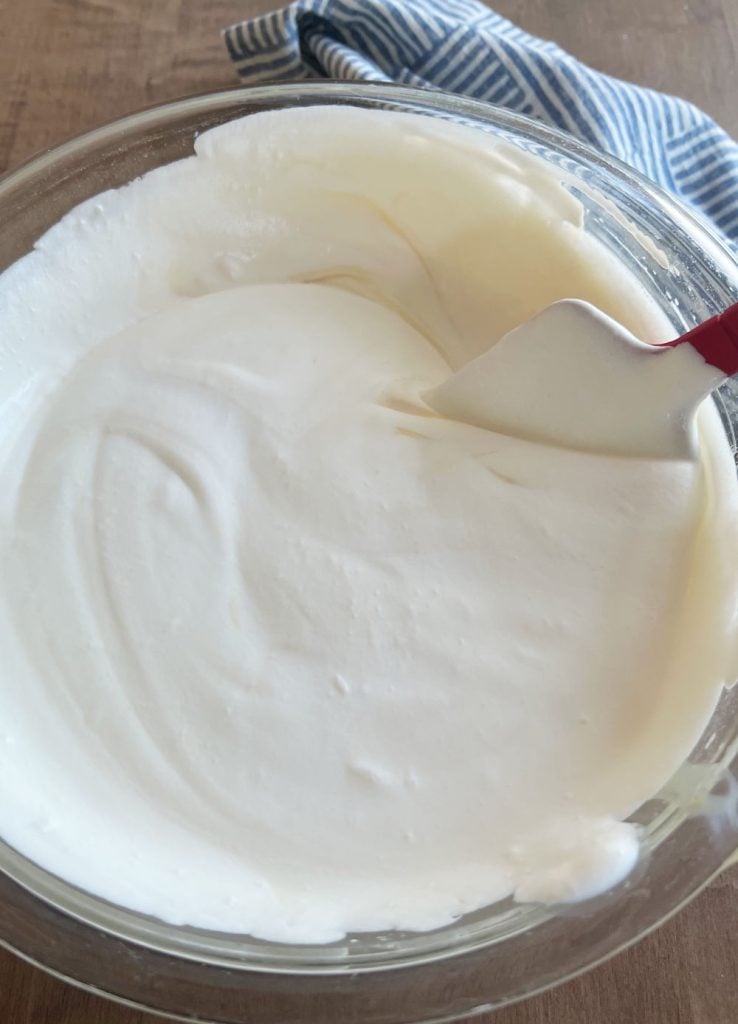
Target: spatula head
(574, 378)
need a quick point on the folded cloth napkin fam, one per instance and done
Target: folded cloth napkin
(462, 46)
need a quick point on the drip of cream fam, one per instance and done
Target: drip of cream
(285, 651)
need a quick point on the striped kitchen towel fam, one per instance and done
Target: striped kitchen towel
(462, 46)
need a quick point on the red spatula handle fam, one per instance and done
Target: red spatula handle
(716, 340)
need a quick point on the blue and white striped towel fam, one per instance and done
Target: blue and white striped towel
(461, 46)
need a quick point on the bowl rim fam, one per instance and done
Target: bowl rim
(453, 103)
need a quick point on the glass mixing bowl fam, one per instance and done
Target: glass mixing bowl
(499, 954)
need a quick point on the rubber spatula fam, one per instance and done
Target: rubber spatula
(573, 377)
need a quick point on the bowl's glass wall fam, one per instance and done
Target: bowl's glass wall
(493, 956)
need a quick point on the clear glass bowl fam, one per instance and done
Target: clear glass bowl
(507, 951)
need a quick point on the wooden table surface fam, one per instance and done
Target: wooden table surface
(67, 65)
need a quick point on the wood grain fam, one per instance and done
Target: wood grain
(67, 65)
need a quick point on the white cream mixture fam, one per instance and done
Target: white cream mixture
(283, 650)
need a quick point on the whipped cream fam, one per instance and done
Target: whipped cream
(285, 651)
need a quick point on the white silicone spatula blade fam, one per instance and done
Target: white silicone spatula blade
(575, 378)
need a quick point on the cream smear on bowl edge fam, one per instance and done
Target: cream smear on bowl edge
(285, 652)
